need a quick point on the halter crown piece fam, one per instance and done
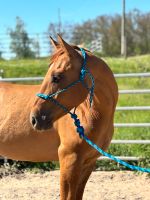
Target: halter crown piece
(80, 129)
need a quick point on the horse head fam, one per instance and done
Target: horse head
(64, 69)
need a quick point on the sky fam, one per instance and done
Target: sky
(37, 14)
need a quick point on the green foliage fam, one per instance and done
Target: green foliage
(108, 165)
(20, 42)
(35, 167)
(18, 167)
(129, 65)
(109, 28)
(24, 68)
(132, 64)
(1, 52)
(82, 33)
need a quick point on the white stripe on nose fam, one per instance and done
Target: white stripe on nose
(43, 117)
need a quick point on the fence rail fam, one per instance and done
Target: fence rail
(141, 91)
(130, 141)
(26, 79)
(133, 108)
(125, 75)
(132, 125)
(132, 75)
(125, 108)
(129, 158)
(22, 79)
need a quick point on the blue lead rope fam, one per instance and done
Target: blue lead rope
(80, 129)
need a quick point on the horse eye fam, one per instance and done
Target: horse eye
(56, 78)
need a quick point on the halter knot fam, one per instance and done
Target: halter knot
(82, 74)
(80, 128)
(74, 116)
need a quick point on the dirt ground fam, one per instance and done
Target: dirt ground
(101, 186)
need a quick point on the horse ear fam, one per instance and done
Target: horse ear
(54, 43)
(67, 48)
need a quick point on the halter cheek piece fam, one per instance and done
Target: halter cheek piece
(80, 128)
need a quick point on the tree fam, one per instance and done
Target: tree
(36, 46)
(143, 33)
(55, 28)
(63, 29)
(1, 52)
(21, 44)
(103, 25)
(109, 27)
(83, 33)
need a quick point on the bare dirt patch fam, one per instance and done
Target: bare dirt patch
(101, 186)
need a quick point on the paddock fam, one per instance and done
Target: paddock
(120, 185)
(101, 185)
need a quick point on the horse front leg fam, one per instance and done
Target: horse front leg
(70, 172)
(86, 172)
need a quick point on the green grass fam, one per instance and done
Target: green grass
(131, 65)
(38, 67)
(24, 68)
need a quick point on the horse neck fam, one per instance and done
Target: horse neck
(105, 92)
(105, 83)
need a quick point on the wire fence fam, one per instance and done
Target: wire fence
(127, 108)
(42, 49)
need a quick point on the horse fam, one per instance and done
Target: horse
(77, 159)
(32, 129)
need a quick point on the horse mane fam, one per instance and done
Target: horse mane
(60, 51)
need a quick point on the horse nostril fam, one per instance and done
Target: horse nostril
(34, 121)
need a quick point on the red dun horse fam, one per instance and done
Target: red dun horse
(52, 134)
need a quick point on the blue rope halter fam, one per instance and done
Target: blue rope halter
(83, 73)
(80, 129)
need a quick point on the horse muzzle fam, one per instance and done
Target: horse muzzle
(40, 122)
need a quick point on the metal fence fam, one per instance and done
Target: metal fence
(125, 108)
(40, 44)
